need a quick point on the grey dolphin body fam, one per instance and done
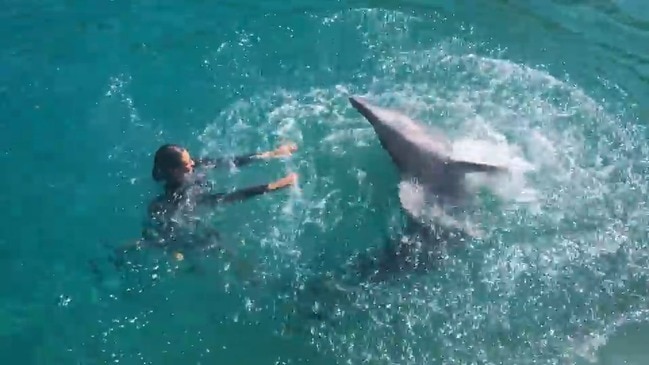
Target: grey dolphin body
(423, 158)
(421, 153)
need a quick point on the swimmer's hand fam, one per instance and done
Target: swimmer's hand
(281, 151)
(284, 182)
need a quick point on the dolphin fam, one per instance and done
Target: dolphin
(432, 187)
(421, 152)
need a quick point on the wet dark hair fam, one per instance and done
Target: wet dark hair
(167, 158)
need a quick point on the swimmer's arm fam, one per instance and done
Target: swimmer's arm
(238, 195)
(245, 193)
(212, 199)
(242, 160)
(226, 161)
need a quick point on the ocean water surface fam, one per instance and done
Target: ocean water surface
(555, 90)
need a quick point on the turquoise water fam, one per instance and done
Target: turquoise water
(556, 90)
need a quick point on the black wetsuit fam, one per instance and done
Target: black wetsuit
(171, 224)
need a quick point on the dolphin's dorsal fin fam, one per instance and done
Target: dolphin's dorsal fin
(467, 167)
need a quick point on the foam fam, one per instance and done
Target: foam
(551, 170)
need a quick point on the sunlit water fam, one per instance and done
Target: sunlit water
(553, 92)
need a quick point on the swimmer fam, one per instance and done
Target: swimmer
(185, 189)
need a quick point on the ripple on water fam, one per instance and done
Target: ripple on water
(562, 265)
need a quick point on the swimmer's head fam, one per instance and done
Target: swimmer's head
(171, 164)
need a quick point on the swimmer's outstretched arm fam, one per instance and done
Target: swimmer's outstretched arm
(283, 150)
(245, 193)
